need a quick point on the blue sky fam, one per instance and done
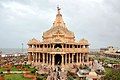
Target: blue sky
(98, 21)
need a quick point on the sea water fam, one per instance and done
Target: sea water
(12, 50)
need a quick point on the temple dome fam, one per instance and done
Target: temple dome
(33, 41)
(83, 42)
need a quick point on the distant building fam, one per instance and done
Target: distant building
(103, 50)
(118, 51)
(58, 47)
(109, 49)
(111, 52)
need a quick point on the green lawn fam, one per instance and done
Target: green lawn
(15, 77)
(108, 71)
(14, 68)
(32, 69)
(112, 74)
(107, 60)
(2, 69)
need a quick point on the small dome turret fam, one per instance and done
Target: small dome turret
(33, 41)
(84, 42)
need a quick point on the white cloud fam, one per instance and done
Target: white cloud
(18, 8)
(96, 20)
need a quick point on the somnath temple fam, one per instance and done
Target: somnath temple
(58, 47)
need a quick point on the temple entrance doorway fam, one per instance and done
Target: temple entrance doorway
(58, 59)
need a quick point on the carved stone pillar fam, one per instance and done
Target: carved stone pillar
(65, 58)
(83, 58)
(39, 57)
(69, 58)
(47, 58)
(62, 59)
(29, 58)
(80, 57)
(32, 58)
(87, 57)
(76, 57)
(43, 57)
(36, 57)
(33, 54)
(53, 59)
(72, 58)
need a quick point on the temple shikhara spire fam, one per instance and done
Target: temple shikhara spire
(59, 20)
(58, 47)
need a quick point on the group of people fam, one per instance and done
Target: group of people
(54, 74)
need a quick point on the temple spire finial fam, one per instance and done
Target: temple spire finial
(58, 9)
(59, 20)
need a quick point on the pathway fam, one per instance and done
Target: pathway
(57, 74)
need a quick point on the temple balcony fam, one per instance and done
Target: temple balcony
(70, 50)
